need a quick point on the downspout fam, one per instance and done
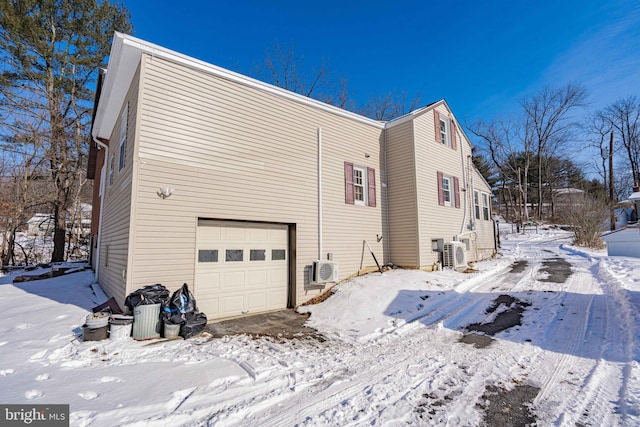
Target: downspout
(385, 185)
(319, 193)
(102, 189)
(464, 180)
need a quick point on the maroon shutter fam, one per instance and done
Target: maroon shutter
(440, 190)
(456, 190)
(348, 183)
(436, 122)
(454, 143)
(371, 181)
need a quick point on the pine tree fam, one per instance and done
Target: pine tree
(50, 51)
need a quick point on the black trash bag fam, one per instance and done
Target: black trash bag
(181, 304)
(193, 325)
(151, 294)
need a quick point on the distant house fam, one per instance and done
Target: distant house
(625, 241)
(258, 197)
(78, 223)
(41, 225)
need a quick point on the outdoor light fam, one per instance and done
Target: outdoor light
(164, 192)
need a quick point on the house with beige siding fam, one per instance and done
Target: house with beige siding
(259, 198)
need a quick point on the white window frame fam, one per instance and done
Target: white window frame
(445, 134)
(111, 164)
(123, 138)
(476, 203)
(447, 190)
(486, 212)
(363, 184)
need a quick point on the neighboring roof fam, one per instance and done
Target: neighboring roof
(634, 196)
(568, 191)
(126, 52)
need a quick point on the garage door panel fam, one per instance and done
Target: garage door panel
(257, 278)
(232, 304)
(208, 283)
(233, 280)
(249, 273)
(257, 235)
(256, 300)
(209, 306)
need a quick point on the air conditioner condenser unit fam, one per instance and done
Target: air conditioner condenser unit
(454, 255)
(324, 271)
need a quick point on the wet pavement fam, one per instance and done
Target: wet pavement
(282, 324)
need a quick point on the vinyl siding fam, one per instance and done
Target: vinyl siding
(484, 243)
(234, 152)
(436, 222)
(401, 190)
(116, 218)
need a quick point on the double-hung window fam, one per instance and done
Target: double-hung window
(359, 180)
(111, 163)
(476, 203)
(359, 185)
(485, 206)
(444, 131)
(448, 190)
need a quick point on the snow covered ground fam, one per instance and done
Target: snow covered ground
(393, 354)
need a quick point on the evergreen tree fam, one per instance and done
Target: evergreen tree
(50, 51)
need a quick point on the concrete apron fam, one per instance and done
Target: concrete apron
(283, 324)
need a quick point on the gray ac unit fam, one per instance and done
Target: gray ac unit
(454, 255)
(324, 271)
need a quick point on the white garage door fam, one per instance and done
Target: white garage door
(241, 268)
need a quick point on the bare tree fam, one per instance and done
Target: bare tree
(50, 50)
(549, 124)
(510, 151)
(390, 106)
(624, 117)
(284, 68)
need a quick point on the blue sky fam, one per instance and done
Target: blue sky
(481, 56)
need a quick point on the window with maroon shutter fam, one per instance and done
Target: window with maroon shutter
(436, 125)
(359, 185)
(348, 183)
(371, 181)
(454, 143)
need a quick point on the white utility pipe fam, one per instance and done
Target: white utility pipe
(320, 193)
(464, 181)
(102, 190)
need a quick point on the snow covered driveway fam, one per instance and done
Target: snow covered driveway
(393, 356)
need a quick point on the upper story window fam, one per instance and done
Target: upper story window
(485, 206)
(359, 185)
(445, 130)
(123, 138)
(111, 163)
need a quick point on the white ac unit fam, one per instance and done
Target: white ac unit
(454, 255)
(324, 271)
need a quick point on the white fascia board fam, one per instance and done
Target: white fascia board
(126, 52)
